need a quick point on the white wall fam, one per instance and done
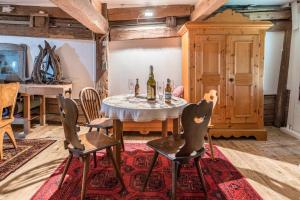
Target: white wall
(273, 53)
(293, 126)
(77, 58)
(131, 60)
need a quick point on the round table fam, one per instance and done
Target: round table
(138, 109)
(124, 108)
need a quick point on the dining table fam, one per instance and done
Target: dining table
(126, 108)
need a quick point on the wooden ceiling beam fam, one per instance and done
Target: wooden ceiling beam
(281, 25)
(86, 13)
(269, 15)
(147, 32)
(97, 4)
(123, 14)
(204, 8)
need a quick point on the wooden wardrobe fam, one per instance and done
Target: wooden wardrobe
(226, 53)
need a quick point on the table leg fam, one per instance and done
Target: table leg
(42, 110)
(118, 129)
(176, 127)
(164, 132)
(27, 114)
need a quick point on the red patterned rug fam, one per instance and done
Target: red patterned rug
(14, 159)
(223, 180)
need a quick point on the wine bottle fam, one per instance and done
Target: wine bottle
(168, 92)
(151, 86)
(137, 88)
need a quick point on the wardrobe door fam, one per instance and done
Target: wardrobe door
(243, 78)
(210, 71)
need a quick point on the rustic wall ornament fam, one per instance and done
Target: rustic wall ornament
(47, 67)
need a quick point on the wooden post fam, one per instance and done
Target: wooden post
(280, 103)
(101, 84)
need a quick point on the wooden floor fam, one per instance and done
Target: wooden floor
(272, 167)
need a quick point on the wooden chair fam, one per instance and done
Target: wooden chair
(91, 105)
(211, 96)
(190, 144)
(8, 96)
(83, 145)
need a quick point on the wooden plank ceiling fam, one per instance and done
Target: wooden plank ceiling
(79, 18)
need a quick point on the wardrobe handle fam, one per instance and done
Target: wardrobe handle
(231, 79)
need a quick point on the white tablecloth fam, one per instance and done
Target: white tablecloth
(129, 108)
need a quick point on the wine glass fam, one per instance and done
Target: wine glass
(131, 86)
(160, 90)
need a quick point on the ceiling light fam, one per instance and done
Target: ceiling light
(148, 13)
(7, 9)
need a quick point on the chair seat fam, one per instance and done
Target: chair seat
(5, 122)
(101, 123)
(169, 146)
(93, 141)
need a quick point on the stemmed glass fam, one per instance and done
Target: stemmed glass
(131, 85)
(160, 91)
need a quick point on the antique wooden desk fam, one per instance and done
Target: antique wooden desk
(27, 90)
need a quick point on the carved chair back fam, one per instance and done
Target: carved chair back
(91, 103)
(211, 96)
(195, 120)
(8, 96)
(69, 116)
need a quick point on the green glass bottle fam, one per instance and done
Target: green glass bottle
(168, 92)
(137, 88)
(151, 86)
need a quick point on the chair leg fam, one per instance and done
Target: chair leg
(179, 169)
(1, 143)
(11, 135)
(110, 154)
(91, 128)
(174, 179)
(200, 174)
(122, 143)
(98, 130)
(65, 170)
(86, 164)
(150, 170)
(211, 146)
(95, 159)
